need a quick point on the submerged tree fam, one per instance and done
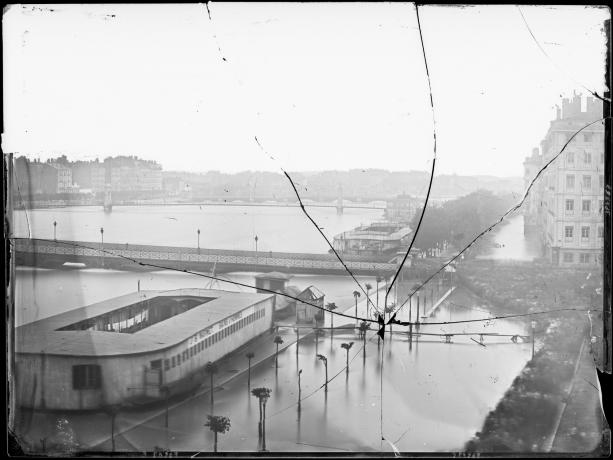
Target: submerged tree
(278, 341)
(331, 306)
(217, 424)
(389, 310)
(364, 326)
(347, 347)
(325, 361)
(262, 393)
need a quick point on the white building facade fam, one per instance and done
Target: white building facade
(567, 202)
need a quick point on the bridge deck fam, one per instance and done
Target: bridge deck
(119, 256)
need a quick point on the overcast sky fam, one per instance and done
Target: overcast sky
(322, 86)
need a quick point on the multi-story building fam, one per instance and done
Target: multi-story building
(60, 175)
(567, 204)
(401, 209)
(128, 174)
(530, 208)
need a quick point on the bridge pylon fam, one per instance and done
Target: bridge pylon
(108, 199)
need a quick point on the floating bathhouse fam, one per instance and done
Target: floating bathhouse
(137, 347)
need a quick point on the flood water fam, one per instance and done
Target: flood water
(510, 242)
(424, 395)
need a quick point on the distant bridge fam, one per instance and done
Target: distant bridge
(54, 254)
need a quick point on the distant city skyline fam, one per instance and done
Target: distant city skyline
(322, 86)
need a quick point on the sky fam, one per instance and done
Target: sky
(322, 86)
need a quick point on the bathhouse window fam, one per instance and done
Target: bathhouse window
(86, 377)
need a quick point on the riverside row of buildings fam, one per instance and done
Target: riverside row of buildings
(565, 206)
(59, 176)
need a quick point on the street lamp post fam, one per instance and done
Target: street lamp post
(533, 324)
(299, 388)
(198, 231)
(54, 230)
(256, 249)
(102, 243)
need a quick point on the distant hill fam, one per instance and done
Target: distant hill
(357, 184)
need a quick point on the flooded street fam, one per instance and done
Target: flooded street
(510, 243)
(435, 394)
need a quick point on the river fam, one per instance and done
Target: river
(282, 229)
(426, 396)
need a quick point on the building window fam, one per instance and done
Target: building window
(568, 231)
(585, 206)
(600, 203)
(86, 377)
(570, 206)
(587, 182)
(587, 157)
(173, 362)
(601, 181)
(570, 182)
(570, 157)
(178, 359)
(166, 364)
(568, 257)
(584, 258)
(585, 232)
(602, 158)
(600, 231)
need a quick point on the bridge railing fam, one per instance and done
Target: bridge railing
(94, 250)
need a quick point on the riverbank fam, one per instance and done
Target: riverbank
(528, 417)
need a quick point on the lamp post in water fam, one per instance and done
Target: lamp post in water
(256, 249)
(54, 228)
(102, 244)
(198, 231)
(533, 324)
